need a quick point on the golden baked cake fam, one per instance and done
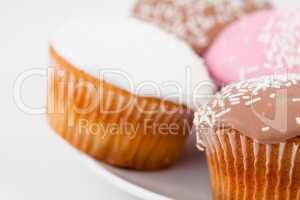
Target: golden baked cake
(109, 92)
(250, 132)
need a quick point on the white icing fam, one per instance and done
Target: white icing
(140, 51)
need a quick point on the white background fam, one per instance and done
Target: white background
(35, 164)
(38, 165)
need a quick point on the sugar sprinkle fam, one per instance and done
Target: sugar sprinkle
(186, 18)
(298, 120)
(295, 99)
(265, 129)
(220, 114)
(272, 96)
(252, 101)
(207, 115)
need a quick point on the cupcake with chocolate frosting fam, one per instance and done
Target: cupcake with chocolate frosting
(197, 22)
(250, 132)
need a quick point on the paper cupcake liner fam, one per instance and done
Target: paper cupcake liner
(241, 168)
(138, 136)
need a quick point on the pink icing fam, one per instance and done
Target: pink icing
(262, 43)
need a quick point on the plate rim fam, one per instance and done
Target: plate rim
(121, 183)
(115, 180)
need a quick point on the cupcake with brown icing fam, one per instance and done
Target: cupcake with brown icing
(196, 21)
(250, 132)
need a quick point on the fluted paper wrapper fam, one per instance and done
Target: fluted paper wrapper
(137, 136)
(241, 168)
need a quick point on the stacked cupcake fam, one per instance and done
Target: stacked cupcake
(198, 22)
(124, 91)
(250, 129)
(118, 91)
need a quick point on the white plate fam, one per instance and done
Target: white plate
(188, 179)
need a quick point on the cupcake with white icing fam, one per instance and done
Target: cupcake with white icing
(120, 91)
(197, 22)
(251, 134)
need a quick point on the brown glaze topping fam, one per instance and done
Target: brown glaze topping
(266, 109)
(196, 21)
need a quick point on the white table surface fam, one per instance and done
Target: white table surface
(36, 165)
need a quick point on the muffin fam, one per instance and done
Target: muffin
(264, 43)
(196, 21)
(118, 91)
(251, 134)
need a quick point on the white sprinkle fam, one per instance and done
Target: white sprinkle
(272, 96)
(225, 95)
(298, 120)
(195, 30)
(288, 84)
(243, 90)
(214, 104)
(265, 129)
(236, 95)
(222, 113)
(235, 102)
(294, 82)
(233, 99)
(253, 101)
(256, 90)
(296, 99)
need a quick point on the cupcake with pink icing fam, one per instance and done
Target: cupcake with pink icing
(264, 43)
(251, 134)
